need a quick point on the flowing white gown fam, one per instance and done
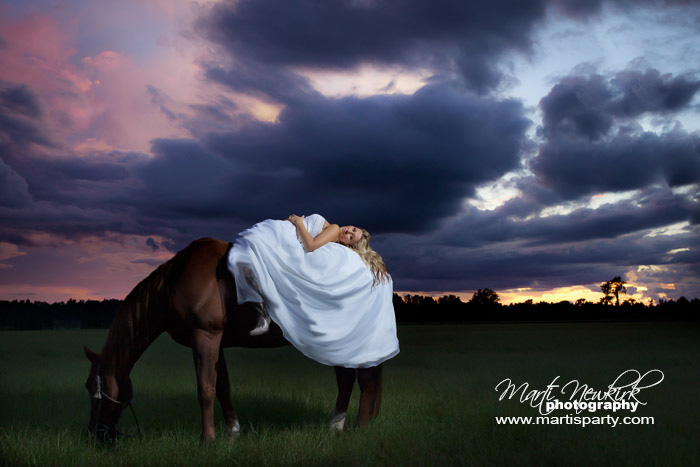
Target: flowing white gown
(324, 301)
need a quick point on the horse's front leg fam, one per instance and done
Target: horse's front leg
(370, 380)
(223, 393)
(205, 347)
(345, 378)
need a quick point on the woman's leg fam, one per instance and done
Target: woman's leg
(345, 377)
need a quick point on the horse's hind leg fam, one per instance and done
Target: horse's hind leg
(205, 347)
(223, 393)
(345, 377)
(370, 380)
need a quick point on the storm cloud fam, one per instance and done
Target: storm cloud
(587, 107)
(412, 158)
(649, 209)
(461, 38)
(592, 141)
(267, 40)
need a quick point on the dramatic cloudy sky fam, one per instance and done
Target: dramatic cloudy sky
(536, 147)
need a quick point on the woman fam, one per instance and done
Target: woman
(350, 236)
(323, 284)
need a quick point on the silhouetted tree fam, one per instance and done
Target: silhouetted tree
(613, 287)
(449, 300)
(606, 288)
(485, 297)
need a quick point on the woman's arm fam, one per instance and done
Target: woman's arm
(330, 234)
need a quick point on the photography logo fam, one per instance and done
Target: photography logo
(620, 396)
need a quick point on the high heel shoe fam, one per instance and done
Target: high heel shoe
(262, 325)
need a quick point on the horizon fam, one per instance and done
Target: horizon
(462, 296)
(537, 156)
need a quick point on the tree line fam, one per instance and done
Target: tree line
(484, 305)
(81, 314)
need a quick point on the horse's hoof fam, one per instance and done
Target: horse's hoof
(338, 421)
(235, 430)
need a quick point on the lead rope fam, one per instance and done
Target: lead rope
(131, 406)
(127, 404)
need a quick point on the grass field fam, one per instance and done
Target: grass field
(439, 404)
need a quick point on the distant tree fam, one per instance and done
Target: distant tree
(412, 300)
(611, 288)
(606, 288)
(449, 300)
(485, 297)
(580, 302)
(419, 300)
(397, 301)
(629, 301)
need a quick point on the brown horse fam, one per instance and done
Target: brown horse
(193, 298)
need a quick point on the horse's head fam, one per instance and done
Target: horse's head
(107, 399)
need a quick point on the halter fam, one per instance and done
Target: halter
(99, 395)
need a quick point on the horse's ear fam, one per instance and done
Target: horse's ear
(92, 356)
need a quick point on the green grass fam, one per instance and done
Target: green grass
(438, 407)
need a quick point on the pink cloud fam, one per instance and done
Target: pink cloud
(38, 54)
(102, 101)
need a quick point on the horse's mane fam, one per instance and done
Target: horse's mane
(131, 318)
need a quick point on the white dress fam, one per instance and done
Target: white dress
(324, 301)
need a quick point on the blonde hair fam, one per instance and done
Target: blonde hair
(371, 258)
